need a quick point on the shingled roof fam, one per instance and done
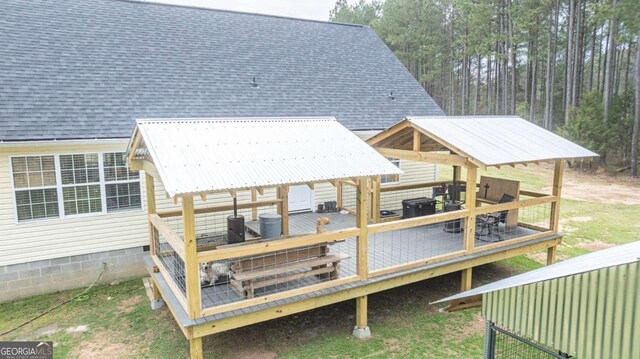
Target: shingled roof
(73, 69)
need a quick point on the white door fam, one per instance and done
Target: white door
(300, 198)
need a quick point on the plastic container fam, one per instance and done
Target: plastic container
(270, 226)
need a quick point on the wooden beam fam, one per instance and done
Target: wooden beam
(203, 197)
(134, 146)
(402, 187)
(191, 264)
(146, 166)
(463, 303)
(551, 255)
(169, 235)
(416, 140)
(361, 312)
(227, 207)
(311, 185)
(470, 205)
(465, 280)
(195, 348)
(150, 191)
(373, 141)
(254, 199)
(431, 157)
(362, 206)
(233, 193)
(284, 197)
(417, 221)
(557, 192)
(339, 194)
(184, 330)
(269, 246)
(260, 190)
(375, 199)
(283, 310)
(515, 204)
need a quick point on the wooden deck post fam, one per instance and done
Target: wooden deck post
(470, 223)
(283, 195)
(191, 265)
(151, 209)
(362, 223)
(195, 348)
(361, 330)
(375, 199)
(470, 205)
(457, 175)
(254, 198)
(465, 281)
(339, 194)
(555, 207)
(361, 311)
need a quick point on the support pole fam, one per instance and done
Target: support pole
(151, 209)
(362, 223)
(375, 199)
(339, 194)
(555, 207)
(191, 265)
(465, 280)
(254, 198)
(284, 196)
(361, 330)
(470, 205)
(195, 348)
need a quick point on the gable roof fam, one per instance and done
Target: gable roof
(86, 69)
(205, 155)
(483, 140)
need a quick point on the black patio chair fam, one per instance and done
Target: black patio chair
(490, 222)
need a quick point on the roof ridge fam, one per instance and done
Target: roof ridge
(152, 2)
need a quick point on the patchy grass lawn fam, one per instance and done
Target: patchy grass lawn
(117, 322)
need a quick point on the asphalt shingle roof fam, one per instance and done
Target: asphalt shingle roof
(88, 69)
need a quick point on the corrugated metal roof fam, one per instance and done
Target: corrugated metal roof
(498, 140)
(622, 254)
(595, 314)
(200, 155)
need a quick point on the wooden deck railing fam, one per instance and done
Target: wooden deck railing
(370, 231)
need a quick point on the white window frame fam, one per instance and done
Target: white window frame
(59, 186)
(392, 160)
(14, 189)
(104, 183)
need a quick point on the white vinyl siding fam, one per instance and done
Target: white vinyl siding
(82, 234)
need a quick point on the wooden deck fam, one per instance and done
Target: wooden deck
(418, 273)
(386, 250)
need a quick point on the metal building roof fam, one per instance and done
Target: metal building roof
(498, 140)
(618, 255)
(202, 155)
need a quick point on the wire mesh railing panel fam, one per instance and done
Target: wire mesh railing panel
(349, 197)
(237, 279)
(407, 245)
(169, 260)
(512, 224)
(211, 227)
(392, 200)
(507, 345)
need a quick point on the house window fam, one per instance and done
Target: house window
(80, 176)
(122, 185)
(395, 178)
(66, 185)
(34, 181)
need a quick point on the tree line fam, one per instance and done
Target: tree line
(571, 66)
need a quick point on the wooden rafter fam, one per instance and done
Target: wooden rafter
(440, 158)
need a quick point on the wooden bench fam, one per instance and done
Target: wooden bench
(250, 274)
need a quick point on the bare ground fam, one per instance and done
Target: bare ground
(598, 188)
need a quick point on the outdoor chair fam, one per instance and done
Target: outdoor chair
(489, 223)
